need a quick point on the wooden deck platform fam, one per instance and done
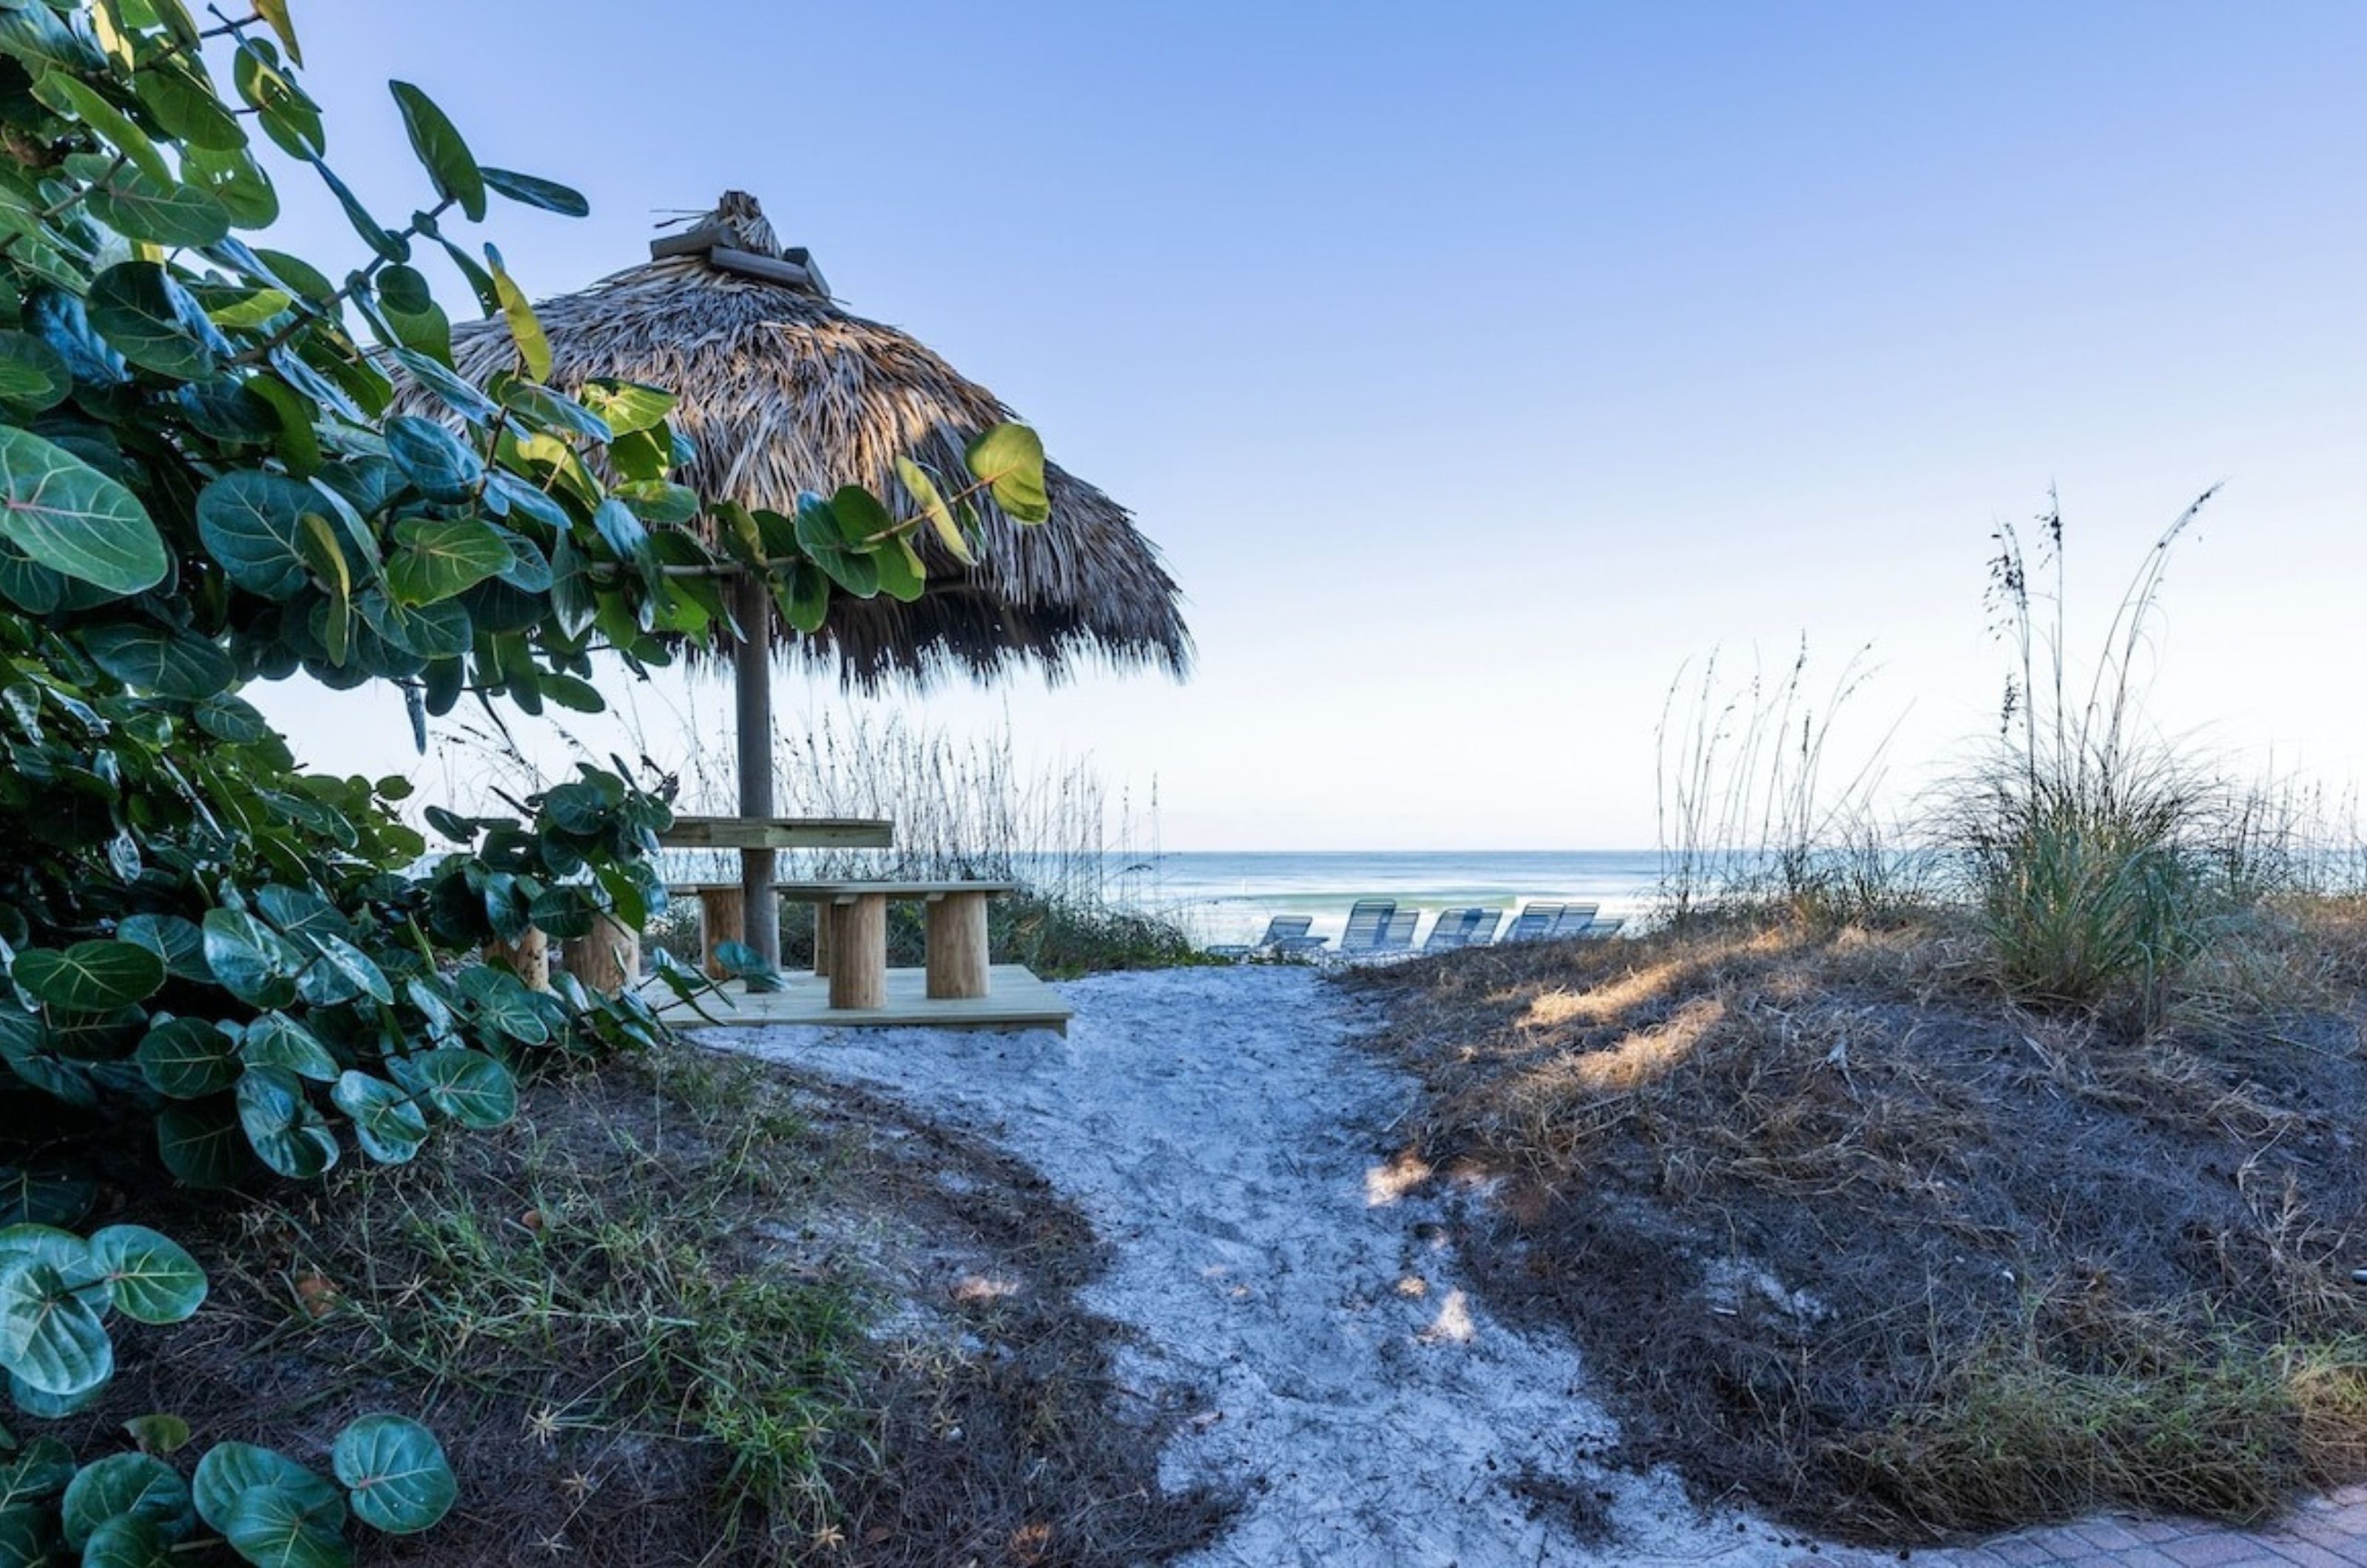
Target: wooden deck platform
(1015, 999)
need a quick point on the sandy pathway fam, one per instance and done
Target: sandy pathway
(1223, 1132)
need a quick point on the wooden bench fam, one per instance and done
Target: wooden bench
(851, 933)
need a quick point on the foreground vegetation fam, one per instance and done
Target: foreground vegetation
(690, 1308)
(218, 465)
(1845, 1227)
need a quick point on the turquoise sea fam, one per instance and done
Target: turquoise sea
(1229, 896)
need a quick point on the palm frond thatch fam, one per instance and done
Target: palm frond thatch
(783, 390)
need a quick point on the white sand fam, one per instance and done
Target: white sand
(1226, 1136)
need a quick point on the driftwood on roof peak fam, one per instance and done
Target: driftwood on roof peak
(736, 237)
(783, 389)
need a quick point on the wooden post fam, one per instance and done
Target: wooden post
(760, 910)
(529, 958)
(957, 956)
(858, 952)
(607, 959)
(720, 919)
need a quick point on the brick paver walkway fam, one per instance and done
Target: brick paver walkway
(2328, 1533)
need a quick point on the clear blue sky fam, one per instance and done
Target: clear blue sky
(1477, 365)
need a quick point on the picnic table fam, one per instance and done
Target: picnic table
(758, 836)
(851, 936)
(851, 933)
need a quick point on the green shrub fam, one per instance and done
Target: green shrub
(223, 966)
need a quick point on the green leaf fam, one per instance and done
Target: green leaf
(44, 1468)
(526, 328)
(229, 1471)
(203, 1144)
(240, 306)
(254, 962)
(178, 941)
(49, 1336)
(272, 1528)
(395, 1474)
(33, 376)
(69, 95)
(901, 576)
(549, 195)
(150, 319)
(291, 119)
(455, 394)
(236, 182)
(188, 1058)
(185, 106)
(626, 407)
(70, 517)
(154, 1280)
(924, 492)
(167, 663)
(252, 523)
(805, 601)
(434, 560)
(1010, 459)
(282, 1126)
(389, 1127)
(44, 1197)
(445, 156)
(543, 409)
(162, 212)
(127, 1541)
(433, 458)
(90, 977)
(468, 1086)
(343, 973)
(274, 1039)
(158, 1433)
(119, 1486)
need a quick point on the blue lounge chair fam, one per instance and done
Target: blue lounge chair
(1533, 923)
(1452, 929)
(1483, 928)
(1284, 933)
(1368, 921)
(1396, 936)
(1601, 929)
(1574, 919)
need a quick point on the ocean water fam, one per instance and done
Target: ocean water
(1229, 896)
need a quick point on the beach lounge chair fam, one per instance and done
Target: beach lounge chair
(1284, 933)
(1396, 936)
(1601, 929)
(1573, 921)
(1533, 923)
(1483, 928)
(1451, 929)
(1368, 921)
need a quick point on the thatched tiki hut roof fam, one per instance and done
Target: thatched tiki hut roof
(783, 390)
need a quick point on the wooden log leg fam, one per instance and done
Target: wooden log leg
(529, 958)
(957, 957)
(823, 924)
(720, 911)
(607, 959)
(858, 953)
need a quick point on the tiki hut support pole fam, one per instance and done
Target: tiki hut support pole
(761, 910)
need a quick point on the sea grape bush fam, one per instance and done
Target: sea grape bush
(203, 483)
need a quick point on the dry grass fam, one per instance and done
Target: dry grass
(1845, 1228)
